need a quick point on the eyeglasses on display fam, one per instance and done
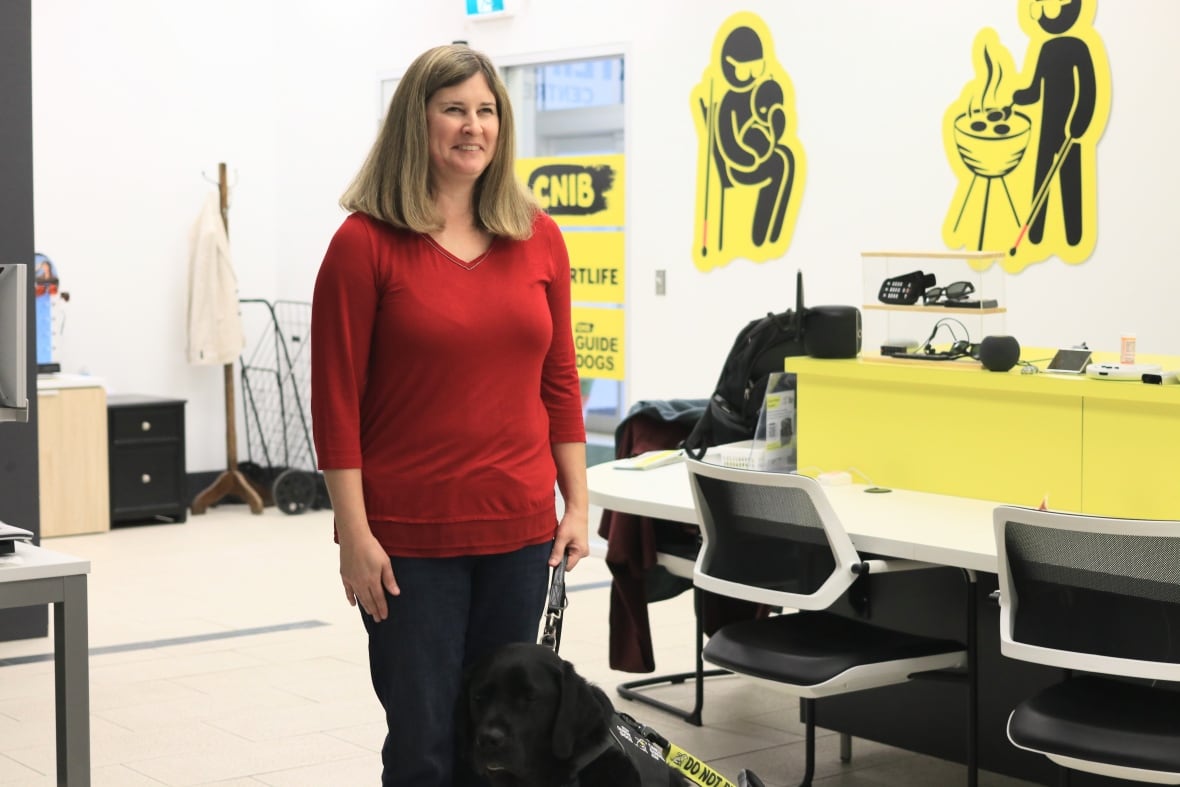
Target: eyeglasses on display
(955, 291)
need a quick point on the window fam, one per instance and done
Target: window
(575, 109)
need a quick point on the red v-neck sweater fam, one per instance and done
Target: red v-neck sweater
(446, 382)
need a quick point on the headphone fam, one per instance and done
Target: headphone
(960, 348)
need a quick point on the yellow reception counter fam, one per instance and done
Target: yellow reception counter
(1095, 446)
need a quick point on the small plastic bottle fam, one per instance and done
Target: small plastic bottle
(1127, 349)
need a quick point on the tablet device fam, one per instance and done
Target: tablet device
(1069, 360)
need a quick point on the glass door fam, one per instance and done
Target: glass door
(569, 118)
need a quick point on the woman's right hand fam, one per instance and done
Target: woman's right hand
(367, 573)
(364, 567)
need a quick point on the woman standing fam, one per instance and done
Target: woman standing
(445, 401)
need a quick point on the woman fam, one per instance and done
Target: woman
(445, 401)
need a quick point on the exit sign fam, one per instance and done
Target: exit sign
(479, 8)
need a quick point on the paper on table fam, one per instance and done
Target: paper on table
(9, 535)
(12, 532)
(650, 459)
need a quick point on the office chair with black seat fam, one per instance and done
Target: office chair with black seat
(773, 538)
(1099, 596)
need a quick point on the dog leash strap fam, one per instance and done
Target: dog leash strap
(551, 636)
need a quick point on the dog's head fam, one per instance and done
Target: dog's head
(524, 715)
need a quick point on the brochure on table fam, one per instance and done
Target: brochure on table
(774, 445)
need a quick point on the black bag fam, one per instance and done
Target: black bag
(759, 350)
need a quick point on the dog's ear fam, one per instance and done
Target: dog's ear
(580, 716)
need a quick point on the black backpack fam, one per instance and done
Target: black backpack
(759, 350)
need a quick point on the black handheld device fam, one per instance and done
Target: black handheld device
(905, 290)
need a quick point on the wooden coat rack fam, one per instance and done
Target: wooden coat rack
(231, 481)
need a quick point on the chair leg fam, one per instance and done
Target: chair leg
(629, 691)
(972, 681)
(845, 747)
(809, 720)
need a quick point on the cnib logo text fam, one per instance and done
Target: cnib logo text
(571, 189)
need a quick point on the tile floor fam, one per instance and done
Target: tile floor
(223, 652)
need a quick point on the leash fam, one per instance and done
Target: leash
(623, 728)
(551, 635)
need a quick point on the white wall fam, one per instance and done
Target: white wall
(133, 99)
(134, 104)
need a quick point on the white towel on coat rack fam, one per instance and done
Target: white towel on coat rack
(215, 333)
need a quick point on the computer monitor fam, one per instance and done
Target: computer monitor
(14, 397)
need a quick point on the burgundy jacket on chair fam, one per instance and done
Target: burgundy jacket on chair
(632, 541)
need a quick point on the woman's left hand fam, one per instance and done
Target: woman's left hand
(571, 541)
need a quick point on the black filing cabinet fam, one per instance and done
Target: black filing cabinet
(146, 436)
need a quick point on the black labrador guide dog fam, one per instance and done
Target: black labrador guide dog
(525, 718)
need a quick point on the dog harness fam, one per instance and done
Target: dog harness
(645, 754)
(652, 755)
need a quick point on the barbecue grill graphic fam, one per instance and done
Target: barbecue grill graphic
(1023, 144)
(990, 138)
(751, 167)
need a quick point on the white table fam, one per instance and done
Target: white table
(941, 529)
(933, 528)
(39, 576)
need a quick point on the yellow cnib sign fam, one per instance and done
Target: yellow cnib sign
(577, 191)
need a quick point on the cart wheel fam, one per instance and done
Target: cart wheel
(294, 491)
(322, 501)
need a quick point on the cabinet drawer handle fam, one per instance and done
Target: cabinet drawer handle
(145, 478)
(146, 426)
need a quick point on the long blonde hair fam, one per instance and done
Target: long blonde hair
(394, 182)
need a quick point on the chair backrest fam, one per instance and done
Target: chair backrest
(770, 538)
(1097, 594)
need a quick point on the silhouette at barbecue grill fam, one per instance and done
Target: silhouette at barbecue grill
(1064, 83)
(990, 138)
(746, 136)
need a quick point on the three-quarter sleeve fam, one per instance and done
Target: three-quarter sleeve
(344, 307)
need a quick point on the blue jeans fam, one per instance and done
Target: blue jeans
(451, 612)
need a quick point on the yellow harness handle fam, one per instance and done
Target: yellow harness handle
(693, 769)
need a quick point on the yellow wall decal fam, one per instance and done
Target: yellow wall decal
(598, 342)
(750, 165)
(584, 195)
(577, 191)
(596, 266)
(1023, 145)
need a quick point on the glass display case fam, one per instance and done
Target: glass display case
(945, 295)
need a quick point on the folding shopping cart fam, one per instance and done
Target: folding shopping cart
(276, 397)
